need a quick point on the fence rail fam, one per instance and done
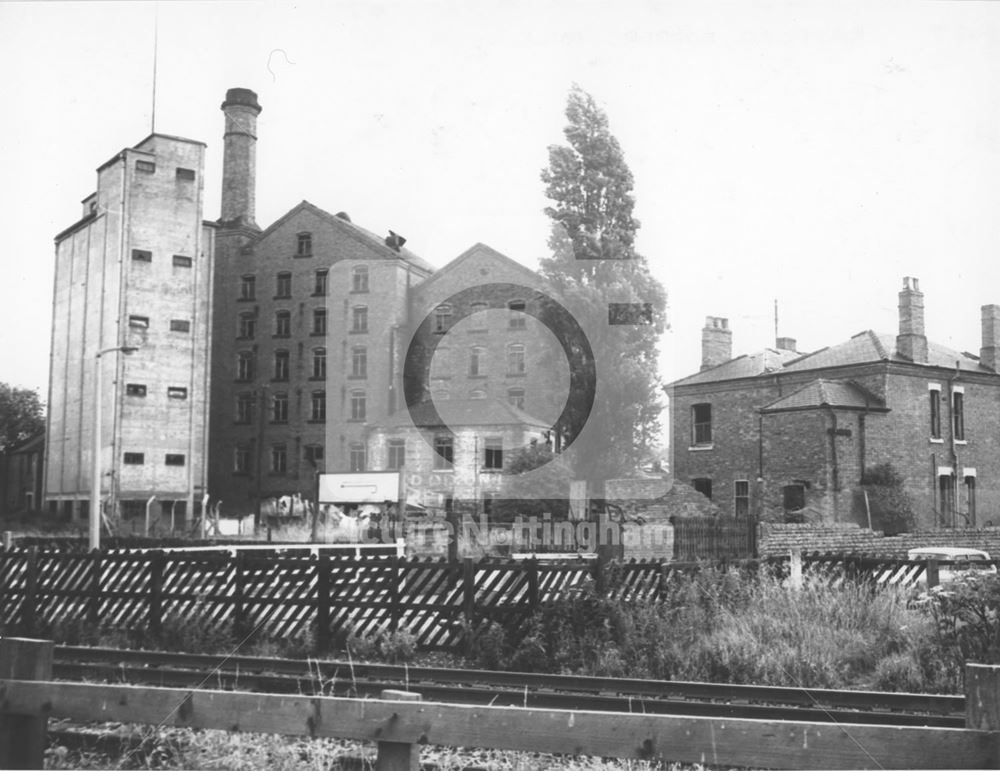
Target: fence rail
(400, 723)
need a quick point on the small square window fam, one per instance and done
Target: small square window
(173, 459)
(135, 389)
(140, 322)
(314, 454)
(303, 245)
(177, 392)
(146, 167)
(185, 175)
(134, 458)
(142, 255)
(182, 261)
(180, 325)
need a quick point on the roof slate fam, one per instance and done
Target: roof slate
(748, 365)
(827, 393)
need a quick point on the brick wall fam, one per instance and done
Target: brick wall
(777, 539)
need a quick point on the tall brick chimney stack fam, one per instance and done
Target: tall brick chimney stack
(786, 344)
(991, 336)
(239, 161)
(716, 342)
(911, 342)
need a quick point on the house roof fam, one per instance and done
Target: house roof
(748, 365)
(485, 251)
(869, 346)
(839, 394)
(376, 243)
(864, 347)
(461, 412)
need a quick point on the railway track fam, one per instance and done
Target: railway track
(343, 678)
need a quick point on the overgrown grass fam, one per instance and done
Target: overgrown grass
(722, 627)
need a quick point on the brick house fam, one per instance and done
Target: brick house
(781, 434)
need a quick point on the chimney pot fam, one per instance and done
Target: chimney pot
(988, 354)
(911, 342)
(716, 342)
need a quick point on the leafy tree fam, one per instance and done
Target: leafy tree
(594, 264)
(21, 415)
(890, 505)
(535, 482)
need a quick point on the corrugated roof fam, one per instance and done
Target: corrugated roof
(462, 412)
(827, 393)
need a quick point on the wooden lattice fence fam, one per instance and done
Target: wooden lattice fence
(330, 596)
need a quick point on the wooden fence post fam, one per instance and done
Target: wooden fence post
(933, 577)
(795, 575)
(239, 604)
(398, 756)
(22, 737)
(532, 566)
(323, 602)
(395, 610)
(982, 702)
(156, 561)
(661, 586)
(30, 605)
(94, 604)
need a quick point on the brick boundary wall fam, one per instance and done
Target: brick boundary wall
(777, 539)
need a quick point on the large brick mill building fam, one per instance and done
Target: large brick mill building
(780, 433)
(267, 354)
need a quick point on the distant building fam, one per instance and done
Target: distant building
(134, 271)
(21, 475)
(781, 434)
(266, 355)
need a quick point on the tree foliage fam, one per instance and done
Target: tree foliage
(21, 415)
(593, 264)
(536, 482)
(890, 505)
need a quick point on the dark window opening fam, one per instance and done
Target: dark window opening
(935, 397)
(283, 286)
(397, 454)
(359, 279)
(322, 282)
(180, 325)
(444, 452)
(185, 175)
(701, 416)
(303, 245)
(703, 485)
(793, 498)
(517, 317)
(319, 321)
(173, 459)
(135, 389)
(177, 392)
(142, 255)
(182, 261)
(493, 458)
(134, 458)
(140, 322)
(314, 454)
(958, 415)
(741, 499)
(358, 457)
(146, 167)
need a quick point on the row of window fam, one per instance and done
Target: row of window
(139, 389)
(444, 451)
(149, 167)
(443, 316)
(957, 412)
(144, 255)
(515, 396)
(139, 458)
(245, 407)
(701, 417)
(245, 365)
(478, 358)
(142, 322)
(246, 328)
(283, 284)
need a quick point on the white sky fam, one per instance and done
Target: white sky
(809, 152)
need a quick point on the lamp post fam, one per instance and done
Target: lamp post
(95, 489)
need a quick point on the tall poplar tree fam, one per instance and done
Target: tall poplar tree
(607, 286)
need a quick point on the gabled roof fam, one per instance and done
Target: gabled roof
(487, 252)
(838, 394)
(869, 346)
(748, 365)
(369, 239)
(462, 412)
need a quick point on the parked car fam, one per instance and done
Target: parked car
(960, 563)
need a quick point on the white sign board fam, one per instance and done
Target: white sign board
(359, 487)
